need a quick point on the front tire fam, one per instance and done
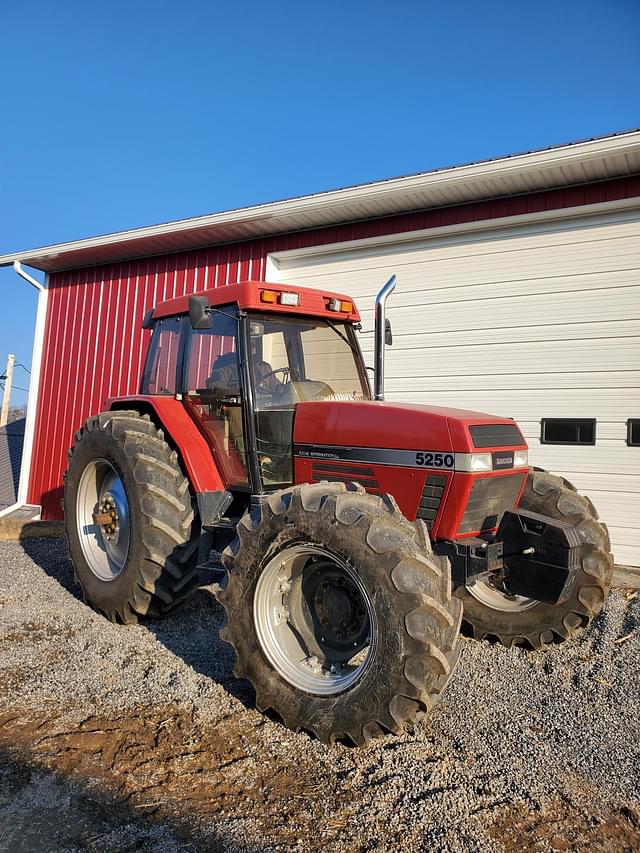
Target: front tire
(338, 614)
(128, 518)
(491, 613)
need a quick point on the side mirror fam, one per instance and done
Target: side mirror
(147, 321)
(388, 335)
(199, 315)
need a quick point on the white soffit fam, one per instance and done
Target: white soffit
(566, 165)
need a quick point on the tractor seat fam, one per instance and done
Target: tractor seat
(225, 375)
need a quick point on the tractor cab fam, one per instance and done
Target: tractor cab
(242, 366)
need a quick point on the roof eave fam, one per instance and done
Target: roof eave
(567, 165)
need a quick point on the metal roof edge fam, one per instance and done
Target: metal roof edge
(612, 145)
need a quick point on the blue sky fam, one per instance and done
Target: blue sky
(119, 114)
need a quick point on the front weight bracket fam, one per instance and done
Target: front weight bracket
(542, 555)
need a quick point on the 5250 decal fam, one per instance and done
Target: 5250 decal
(434, 460)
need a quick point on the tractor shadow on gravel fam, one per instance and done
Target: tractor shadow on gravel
(191, 632)
(51, 555)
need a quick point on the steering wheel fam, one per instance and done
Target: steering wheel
(288, 375)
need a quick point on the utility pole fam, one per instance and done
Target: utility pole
(6, 397)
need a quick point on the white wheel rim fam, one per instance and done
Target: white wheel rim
(295, 647)
(105, 546)
(497, 599)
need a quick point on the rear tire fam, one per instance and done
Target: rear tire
(512, 620)
(143, 562)
(324, 562)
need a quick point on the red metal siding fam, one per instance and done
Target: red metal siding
(94, 344)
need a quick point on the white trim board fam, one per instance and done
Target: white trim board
(32, 401)
(622, 210)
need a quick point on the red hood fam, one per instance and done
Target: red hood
(392, 425)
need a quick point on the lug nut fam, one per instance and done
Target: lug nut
(282, 615)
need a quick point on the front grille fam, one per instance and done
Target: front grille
(495, 435)
(490, 497)
(431, 498)
(336, 472)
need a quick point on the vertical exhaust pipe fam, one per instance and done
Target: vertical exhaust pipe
(380, 331)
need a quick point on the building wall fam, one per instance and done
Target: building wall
(94, 345)
(11, 441)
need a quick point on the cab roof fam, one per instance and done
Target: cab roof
(248, 295)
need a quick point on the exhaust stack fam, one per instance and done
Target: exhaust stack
(380, 337)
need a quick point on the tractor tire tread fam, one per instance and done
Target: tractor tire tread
(165, 575)
(545, 624)
(429, 620)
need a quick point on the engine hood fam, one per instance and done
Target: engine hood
(319, 426)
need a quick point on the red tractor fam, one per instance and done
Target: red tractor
(356, 535)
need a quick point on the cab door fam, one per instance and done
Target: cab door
(212, 393)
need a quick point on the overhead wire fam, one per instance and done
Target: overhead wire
(16, 387)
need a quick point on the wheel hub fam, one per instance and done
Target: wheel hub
(107, 518)
(334, 608)
(337, 608)
(102, 518)
(313, 619)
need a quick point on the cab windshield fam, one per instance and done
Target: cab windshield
(296, 359)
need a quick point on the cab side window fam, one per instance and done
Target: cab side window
(162, 361)
(213, 359)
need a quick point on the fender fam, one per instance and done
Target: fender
(169, 414)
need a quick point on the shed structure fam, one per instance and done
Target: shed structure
(11, 438)
(518, 294)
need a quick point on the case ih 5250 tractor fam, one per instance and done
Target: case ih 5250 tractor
(356, 535)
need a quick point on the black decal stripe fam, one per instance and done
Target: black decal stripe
(370, 455)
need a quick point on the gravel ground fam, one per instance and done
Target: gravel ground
(139, 738)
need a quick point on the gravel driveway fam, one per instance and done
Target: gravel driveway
(139, 738)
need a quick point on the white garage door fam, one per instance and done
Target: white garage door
(531, 322)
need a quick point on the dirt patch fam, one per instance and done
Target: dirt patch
(565, 827)
(166, 763)
(37, 633)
